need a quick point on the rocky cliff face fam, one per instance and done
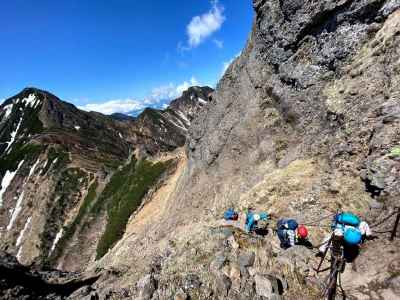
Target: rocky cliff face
(303, 123)
(61, 169)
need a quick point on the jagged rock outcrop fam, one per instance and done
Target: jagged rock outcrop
(165, 130)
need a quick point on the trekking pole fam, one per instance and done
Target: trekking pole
(341, 287)
(324, 255)
(336, 267)
(396, 224)
(332, 286)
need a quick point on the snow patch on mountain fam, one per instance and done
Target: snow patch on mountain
(14, 134)
(202, 101)
(19, 254)
(176, 125)
(32, 170)
(183, 117)
(8, 177)
(16, 211)
(8, 109)
(48, 164)
(56, 240)
(31, 100)
(22, 233)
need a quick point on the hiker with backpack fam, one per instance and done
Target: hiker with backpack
(290, 233)
(254, 220)
(351, 231)
(248, 221)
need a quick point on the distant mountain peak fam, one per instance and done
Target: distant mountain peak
(35, 91)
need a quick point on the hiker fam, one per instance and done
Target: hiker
(351, 231)
(248, 221)
(231, 214)
(290, 233)
(254, 220)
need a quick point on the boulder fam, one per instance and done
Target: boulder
(252, 271)
(375, 204)
(180, 295)
(246, 259)
(147, 286)
(235, 272)
(232, 242)
(235, 276)
(191, 282)
(218, 262)
(223, 284)
(263, 286)
(394, 284)
(298, 256)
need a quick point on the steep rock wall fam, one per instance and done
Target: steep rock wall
(304, 122)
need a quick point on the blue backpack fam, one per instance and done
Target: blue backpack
(230, 214)
(352, 236)
(291, 224)
(348, 219)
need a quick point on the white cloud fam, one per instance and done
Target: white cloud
(202, 27)
(114, 106)
(157, 95)
(219, 43)
(170, 91)
(162, 92)
(185, 85)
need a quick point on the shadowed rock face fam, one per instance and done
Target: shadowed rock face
(19, 282)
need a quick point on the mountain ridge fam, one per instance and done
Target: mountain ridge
(57, 162)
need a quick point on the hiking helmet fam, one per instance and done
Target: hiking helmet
(256, 217)
(302, 231)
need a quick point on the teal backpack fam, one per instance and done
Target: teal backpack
(352, 236)
(348, 219)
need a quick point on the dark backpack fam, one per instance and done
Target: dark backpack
(290, 224)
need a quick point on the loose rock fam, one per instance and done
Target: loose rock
(263, 286)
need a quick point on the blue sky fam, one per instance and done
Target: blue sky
(117, 55)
